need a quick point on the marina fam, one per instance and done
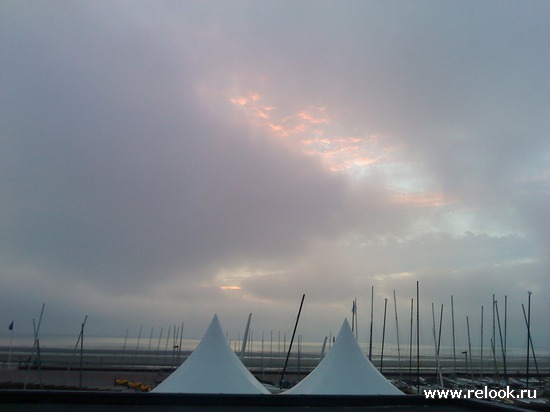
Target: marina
(102, 365)
(122, 371)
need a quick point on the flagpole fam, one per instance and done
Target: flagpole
(10, 328)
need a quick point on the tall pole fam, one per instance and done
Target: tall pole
(531, 342)
(245, 338)
(440, 327)
(435, 343)
(470, 348)
(494, 340)
(10, 328)
(501, 342)
(397, 333)
(354, 323)
(528, 334)
(181, 339)
(323, 349)
(371, 320)
(454, 341)
(505, 328)
(439, 343)
(292, 340)
(174, 345)
(81, 351)
(438, 369)
(411, 340)
(417, 338)
(383, 334)
(481, 358)
(35, 344)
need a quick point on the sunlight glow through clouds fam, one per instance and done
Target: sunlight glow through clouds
(314, 132)
(423, 199)
(231, 279)
(230, 287)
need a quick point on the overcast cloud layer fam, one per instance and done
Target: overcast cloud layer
(163, 161)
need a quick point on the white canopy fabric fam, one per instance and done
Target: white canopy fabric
(345, 371)
(213, 367)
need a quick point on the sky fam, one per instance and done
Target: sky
(164, 161)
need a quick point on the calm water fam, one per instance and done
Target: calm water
(153, 352)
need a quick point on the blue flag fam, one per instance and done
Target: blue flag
(11, 326)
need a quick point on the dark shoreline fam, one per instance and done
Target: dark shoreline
(98, 369)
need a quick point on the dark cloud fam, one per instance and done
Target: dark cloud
(120, 183)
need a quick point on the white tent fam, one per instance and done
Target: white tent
(212, 368)
(345, 371)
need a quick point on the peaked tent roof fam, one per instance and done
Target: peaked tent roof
(213, 367)
(345, 371)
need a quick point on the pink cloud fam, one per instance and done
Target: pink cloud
(422, 199)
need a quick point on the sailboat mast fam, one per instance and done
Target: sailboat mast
(180, 343)
(481, 358)
(505, 322)
(10, 328)
(383, 334)
(454, 341)
(34, 346)
(292, 340)
(397, 333)
(417, 338)
(323, 349)
(411, 340)
(531, 343)
(440, 325)
(528, 335)
(245, 338)
(501, 342)
(354, 323)
(371, 320)
(438, 369)
(493, 340)
(470, 348)
(81, 352)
